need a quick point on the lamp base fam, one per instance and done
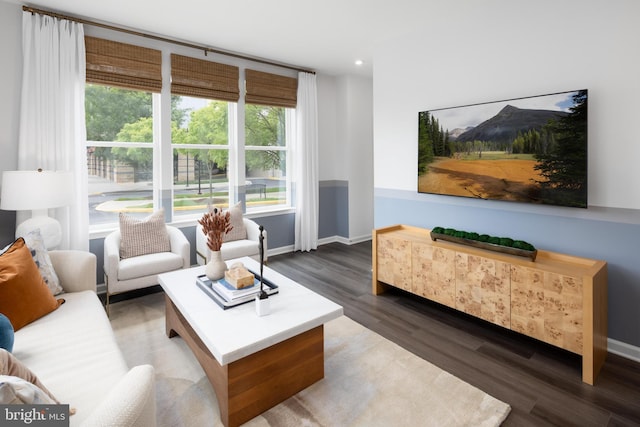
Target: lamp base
(50, 230)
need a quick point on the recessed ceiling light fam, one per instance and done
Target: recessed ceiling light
(359, 62)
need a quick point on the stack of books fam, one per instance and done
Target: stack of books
(229, 292)
(226, 295)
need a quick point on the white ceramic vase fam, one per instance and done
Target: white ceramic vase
(216, 267)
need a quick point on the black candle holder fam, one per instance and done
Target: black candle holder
(263, 294)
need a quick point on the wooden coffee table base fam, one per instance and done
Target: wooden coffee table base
(250, 386)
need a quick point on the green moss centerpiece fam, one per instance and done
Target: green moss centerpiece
(484, 241)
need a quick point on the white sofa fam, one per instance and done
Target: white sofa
(73, 351)
(236, 248)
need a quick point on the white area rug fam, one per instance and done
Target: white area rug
(369, 380)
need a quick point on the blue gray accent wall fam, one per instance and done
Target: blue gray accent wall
(96, 247)
(190, 234)
(334, 209)
(280, 229)
(608, 234)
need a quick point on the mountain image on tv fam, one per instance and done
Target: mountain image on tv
(508, 123)
(526, 150)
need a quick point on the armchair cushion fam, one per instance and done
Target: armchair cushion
(141, 237)
(239, 249)
(145, 265)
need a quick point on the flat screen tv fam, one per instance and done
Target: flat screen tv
(531, 149)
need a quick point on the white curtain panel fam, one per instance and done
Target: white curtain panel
(306, 164)
(52, 119)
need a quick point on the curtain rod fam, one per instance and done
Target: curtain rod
(206, 49)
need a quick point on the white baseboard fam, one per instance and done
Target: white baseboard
(623, 349)
(344, 240)
(332, 239)
(323, 241)
(279, 251)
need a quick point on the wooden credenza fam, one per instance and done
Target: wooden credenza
(559, 299)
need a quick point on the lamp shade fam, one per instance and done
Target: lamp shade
(35, 190)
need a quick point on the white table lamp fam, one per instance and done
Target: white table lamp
(37, 191)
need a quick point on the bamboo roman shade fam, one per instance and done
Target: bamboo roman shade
(123, 65)
(204, 79)
(270, 89)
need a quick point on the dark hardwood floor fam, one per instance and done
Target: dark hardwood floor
(541, 383)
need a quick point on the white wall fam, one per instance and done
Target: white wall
(501, 49)
(355, 124)
(11, 78)
(328, 141)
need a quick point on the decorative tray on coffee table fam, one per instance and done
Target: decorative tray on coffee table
(216, 292)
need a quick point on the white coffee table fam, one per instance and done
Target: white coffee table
(253, 362)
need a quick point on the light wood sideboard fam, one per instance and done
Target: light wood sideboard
(559, 299)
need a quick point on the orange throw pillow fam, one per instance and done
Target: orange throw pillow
(24, 296)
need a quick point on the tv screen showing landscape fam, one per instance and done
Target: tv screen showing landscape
(530, 150)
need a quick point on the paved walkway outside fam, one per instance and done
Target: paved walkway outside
(99, 186)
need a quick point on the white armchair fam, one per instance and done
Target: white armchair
(236, 248)
(122, 275)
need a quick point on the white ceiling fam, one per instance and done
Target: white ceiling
(326, 35)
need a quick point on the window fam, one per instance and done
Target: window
(266, 156)
(207, 93)
(211, 162)
(200, 143)
(123, 81)
(270, 100)
(119, 152)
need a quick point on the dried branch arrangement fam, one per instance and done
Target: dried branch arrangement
(215, 225)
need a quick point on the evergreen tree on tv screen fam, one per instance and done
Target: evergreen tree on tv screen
(564, 165)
